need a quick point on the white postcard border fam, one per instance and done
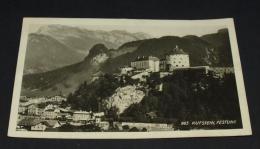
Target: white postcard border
(228, 22)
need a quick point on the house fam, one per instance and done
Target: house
(176, 58)
(34, 110)
(50, 106)
(57, 98)
(104, 125)
(63, 113)
(39, 127)
(38, 124)
(98, 114)
(43, 125)
(97, 120)
(81, 116)
(149, 63)
(29, 123)
(50, 114)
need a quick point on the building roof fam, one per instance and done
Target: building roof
(176, 50)
(50, 110)
(81, 112)
(50, 123)
(33, 122)
(143, 58)
(29, 122)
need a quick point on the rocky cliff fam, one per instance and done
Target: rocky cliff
(124, 97)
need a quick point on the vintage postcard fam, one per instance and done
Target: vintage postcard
(127, 78)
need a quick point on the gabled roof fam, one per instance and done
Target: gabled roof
(142, 58)
(29, 122)
(50, 123)
(81, 112)
(33, 122)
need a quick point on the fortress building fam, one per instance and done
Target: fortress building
(149, 63)
(175, 59)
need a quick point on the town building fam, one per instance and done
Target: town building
(149, 63)
(34, 110)
(39, 127)
(175, 59)
(30, 124)
(81, 116)
(104, 125)
(50, 114)
(38, 124)
(57, 99)
(98, 116)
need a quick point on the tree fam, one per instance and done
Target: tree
(113, 113)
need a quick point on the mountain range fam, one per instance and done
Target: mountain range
(211, 49)
(55, 46)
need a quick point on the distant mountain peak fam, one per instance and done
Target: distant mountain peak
(70, 44)
(211, 49)
(96, 50)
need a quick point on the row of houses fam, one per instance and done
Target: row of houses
(39, 119)
(37, 100)
(33, 124)
(57, 112)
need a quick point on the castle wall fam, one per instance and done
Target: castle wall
(177, 61)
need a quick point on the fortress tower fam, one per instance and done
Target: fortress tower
(175, 59)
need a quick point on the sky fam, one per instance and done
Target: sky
(153, 30)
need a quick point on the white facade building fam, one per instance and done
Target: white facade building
(177, 58)
(57, 98)
(39, 127)
(149, 63)
(81, 116)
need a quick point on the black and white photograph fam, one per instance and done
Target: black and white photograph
(128, 78)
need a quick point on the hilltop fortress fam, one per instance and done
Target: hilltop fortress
(175, 60)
